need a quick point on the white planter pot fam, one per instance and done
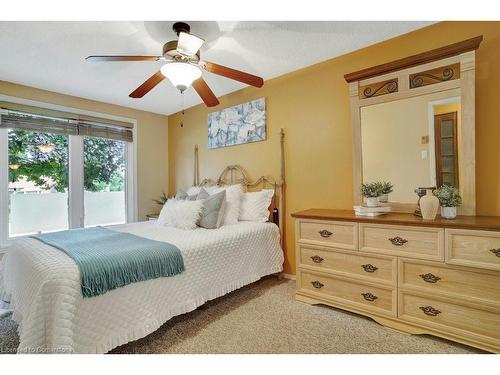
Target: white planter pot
(449, 212)
(384, 198)
(372, 202)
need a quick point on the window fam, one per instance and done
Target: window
(60, 172)
(38, 182)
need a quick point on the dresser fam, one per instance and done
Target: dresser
(438, 277)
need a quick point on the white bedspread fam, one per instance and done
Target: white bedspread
(44, 284)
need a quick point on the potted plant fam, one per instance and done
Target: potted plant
(449, 199)
(161, 200)
(371, 191)
(386, 187)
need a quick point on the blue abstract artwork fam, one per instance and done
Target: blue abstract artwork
(242, 123)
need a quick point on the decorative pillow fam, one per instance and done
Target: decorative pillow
(212, 212)
(233, 200)
(181, 195)
(255, 205)
(193, 190)
(180, 214)
(203, 194)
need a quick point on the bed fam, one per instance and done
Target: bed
(54, 317)
(43, 283)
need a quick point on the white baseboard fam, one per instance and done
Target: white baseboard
(288, 276)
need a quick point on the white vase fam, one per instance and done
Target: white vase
(384, 198)
(429, 205)
(372, 201)
(449, 212)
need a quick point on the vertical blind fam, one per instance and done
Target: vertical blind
(47, 121)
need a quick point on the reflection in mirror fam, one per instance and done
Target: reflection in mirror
(412, 143)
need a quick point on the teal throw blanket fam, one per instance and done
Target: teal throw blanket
(108, 260)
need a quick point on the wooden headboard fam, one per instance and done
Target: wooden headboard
(236, 174)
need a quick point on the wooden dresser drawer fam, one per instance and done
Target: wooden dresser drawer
(379, 268)
(414, 242)
(473, 321)
(466, 283)
(367, 296)
(328, 233)
(474, 248)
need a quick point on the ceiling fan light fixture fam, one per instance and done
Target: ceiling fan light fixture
(181, 74)
(189, 44)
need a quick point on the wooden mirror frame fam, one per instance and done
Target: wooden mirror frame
(421, 74)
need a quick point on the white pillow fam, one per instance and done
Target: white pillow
(233, 201)
(180, 214)
(255, 206)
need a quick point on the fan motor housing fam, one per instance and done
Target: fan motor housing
(170, 52)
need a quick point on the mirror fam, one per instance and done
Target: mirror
(412, 142)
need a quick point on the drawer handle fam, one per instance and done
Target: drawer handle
(369, 267)
(429, 310)
(317, 284)
(325, 233)
(496, 252)
(430, 278)
(369, 297)
(398, 241)
(317, 259)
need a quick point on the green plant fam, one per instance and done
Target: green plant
(104, 161)
(371, 190)
(448, 196)
(161, 200)
(386, 187)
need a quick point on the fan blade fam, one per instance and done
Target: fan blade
(237, 75)
(123, 58)
(148, 85)
(188, 44)
(205, 93)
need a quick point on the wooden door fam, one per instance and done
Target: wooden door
(446, 143)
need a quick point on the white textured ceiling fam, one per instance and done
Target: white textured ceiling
(50, 55)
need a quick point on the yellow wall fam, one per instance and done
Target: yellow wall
(152, 138)
(312, 105)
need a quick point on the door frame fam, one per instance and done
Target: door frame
(437, 147)
(430, 116)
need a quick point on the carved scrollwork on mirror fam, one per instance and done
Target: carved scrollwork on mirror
(381, 88)
(442, 74)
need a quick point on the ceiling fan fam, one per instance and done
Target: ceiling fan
(183, 67)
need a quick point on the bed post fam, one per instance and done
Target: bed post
(281, 185)
(196, 180)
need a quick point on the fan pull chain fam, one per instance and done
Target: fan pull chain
(182, 98)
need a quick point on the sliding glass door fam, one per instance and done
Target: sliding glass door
(38, 182)
(104, 181)
(58, 173)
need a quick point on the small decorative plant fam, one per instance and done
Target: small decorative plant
(371, 191)
(448, 196)
(161, 200)
(449, 199)
(386, 187)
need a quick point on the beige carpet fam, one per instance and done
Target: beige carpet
(265, 318)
